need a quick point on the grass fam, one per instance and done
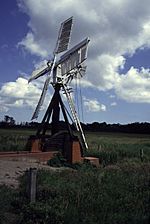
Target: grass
(116, 194)
(113, 147)
(14, 139)
(7, 196)
(96, 139)
(108, 147)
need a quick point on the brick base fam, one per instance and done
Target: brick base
(76, 152)
(36, 145)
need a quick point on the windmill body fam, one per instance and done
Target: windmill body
(61, 72)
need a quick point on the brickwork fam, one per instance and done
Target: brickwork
(36, 145)
(76, 152)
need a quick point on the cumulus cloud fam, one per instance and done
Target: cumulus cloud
(112, 96)
(32, 46)
(93, 105)
(116, 28)
(3, 108)
(134, 86)
(19, 94)
(113, 104)
(103, 72)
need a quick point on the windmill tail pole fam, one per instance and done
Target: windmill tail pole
(71, 105)
(75, 117)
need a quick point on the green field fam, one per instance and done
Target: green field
(109, 147)
(95, 139)
(14, 139)
(113, 147)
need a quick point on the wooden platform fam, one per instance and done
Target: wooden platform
(45, 156)
(92, 160)
(25, 155)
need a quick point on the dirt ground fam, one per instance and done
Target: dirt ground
(10, 170)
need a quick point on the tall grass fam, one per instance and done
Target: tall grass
(108, 147)
(12, 142)
(14, 139)
(112, 153)
(113, 147)
(90, 195)
(7, 197)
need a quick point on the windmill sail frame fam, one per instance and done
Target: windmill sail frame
(64, 36)
(74, 57)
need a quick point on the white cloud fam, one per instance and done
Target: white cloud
(32, 46)
(19, 89)
(19, 94)
(113, 104)
(134, 86)
(40, 64)
(112, 96)
(116, 28)
(3, 108)
(103, 72)
(93, 105)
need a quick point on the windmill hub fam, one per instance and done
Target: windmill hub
(62, 72)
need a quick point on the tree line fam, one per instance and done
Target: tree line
(136, 127)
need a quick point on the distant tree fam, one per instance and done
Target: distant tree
(12, 121)
(6, 119)
(9, 120)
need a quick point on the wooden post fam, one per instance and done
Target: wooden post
(99, 147)
(141, 155)
(32, 184)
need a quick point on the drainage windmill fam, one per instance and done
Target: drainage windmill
(60, 73)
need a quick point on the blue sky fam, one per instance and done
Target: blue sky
(116, 88)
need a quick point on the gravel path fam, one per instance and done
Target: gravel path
(10, 170)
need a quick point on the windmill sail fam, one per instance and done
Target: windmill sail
(61, 45)
(74, 57)
(39, 72)
(41, 100)
(40, 103)
(64, 36)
